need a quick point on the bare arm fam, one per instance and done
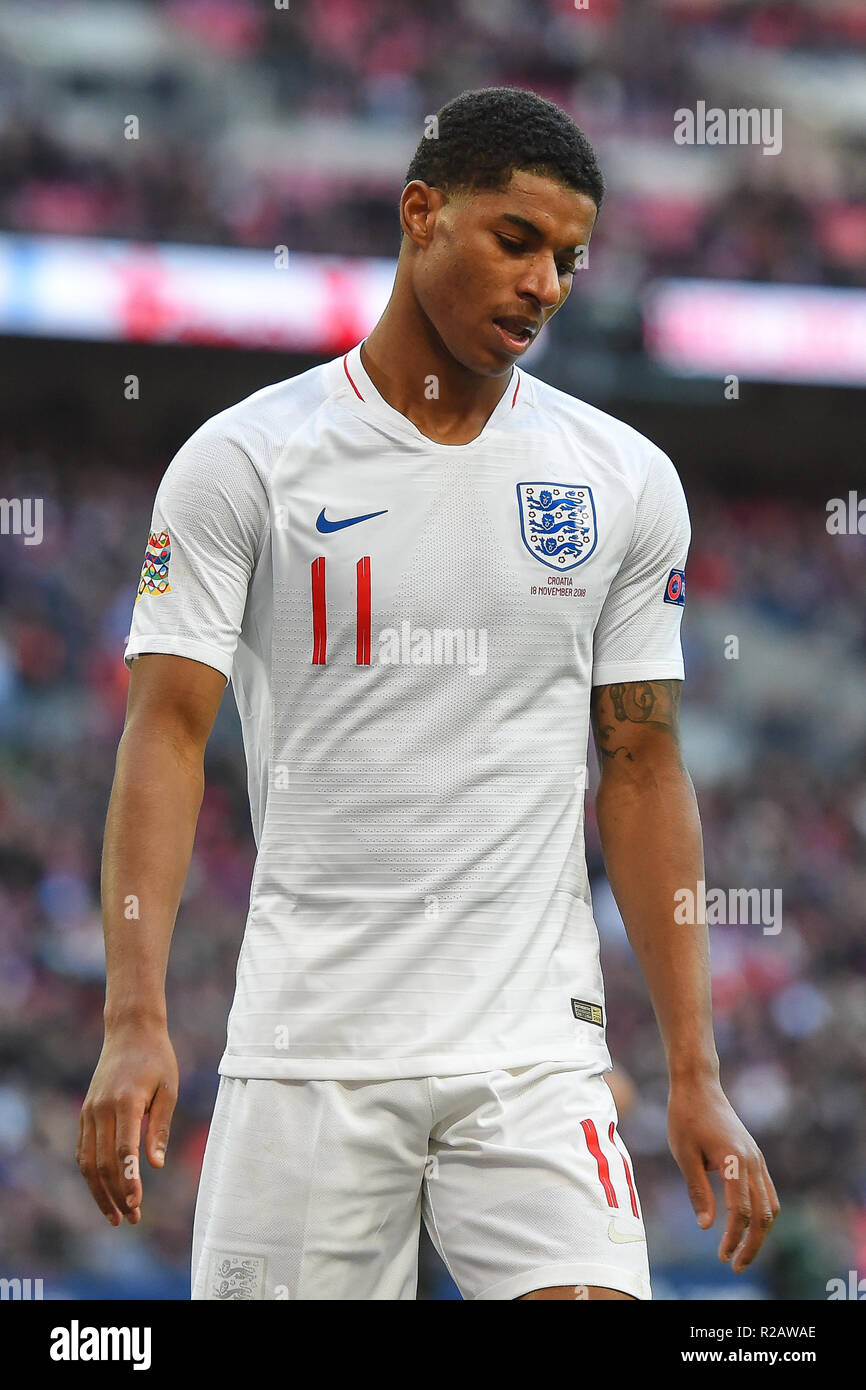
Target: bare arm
(150, 828)
(651, 839)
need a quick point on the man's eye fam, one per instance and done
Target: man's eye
(567, 269)
(509, 243)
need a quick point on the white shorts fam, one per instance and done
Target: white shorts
(316, 1189)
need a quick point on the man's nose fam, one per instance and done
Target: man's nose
(542, 282)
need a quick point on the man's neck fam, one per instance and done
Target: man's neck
(414, 373)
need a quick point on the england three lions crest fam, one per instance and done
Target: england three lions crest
(557, 522)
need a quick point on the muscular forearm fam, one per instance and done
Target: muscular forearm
(651, 839)
(149, 834)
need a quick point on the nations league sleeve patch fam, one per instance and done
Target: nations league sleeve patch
(675, 589)
(154, 571)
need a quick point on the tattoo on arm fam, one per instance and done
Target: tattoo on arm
(614, 707)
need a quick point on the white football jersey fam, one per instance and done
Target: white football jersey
(412, 631)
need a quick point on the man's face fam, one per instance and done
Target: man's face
(494, 267)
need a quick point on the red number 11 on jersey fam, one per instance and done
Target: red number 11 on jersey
(362, 611)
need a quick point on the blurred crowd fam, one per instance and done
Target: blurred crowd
(775, 740)
(232, 96)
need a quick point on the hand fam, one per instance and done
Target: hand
(705, 1135)
(136, 1076)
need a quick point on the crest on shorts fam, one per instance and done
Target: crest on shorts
(235, 1277)
(154, 571)
(557, 522)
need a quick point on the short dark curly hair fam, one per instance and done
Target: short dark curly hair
(483, 136)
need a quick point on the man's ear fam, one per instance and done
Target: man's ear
(419, 204)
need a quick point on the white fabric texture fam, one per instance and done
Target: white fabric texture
(420, 903)
(315, 1190)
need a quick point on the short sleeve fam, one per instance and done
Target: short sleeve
(208, 521)
(637, 636)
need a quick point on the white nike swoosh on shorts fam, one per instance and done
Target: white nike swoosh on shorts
(617, 1236)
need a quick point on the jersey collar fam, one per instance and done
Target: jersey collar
(366, 400)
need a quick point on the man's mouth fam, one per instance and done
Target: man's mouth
(517, 333)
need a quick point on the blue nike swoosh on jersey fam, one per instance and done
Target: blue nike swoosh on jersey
(322, 523)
